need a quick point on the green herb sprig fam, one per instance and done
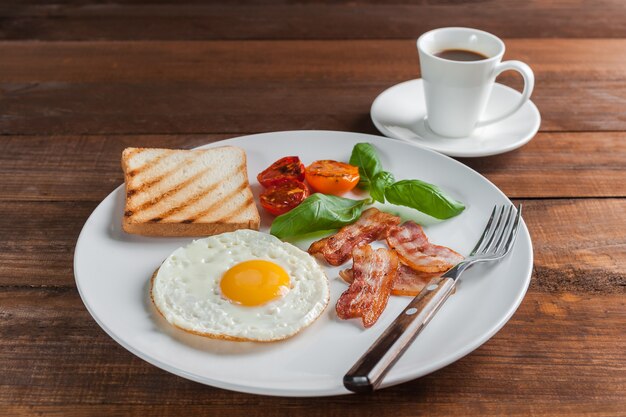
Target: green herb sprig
(326, 212)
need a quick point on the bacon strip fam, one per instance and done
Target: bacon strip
(411, 282)
(337, 249)
(408, 281)
(374, 272)
(414, 249)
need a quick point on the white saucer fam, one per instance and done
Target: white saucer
(399, 112)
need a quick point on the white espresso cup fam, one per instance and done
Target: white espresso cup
(457, 92)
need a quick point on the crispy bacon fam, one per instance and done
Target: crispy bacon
(347, 275)
(411, 282)
(337, 249)
(374, 272)
(408, 281)
(414, 249)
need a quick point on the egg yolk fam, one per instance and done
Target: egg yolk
(252, 283)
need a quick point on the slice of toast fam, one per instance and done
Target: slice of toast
(187, 193)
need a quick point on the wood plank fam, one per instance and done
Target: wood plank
(75, 20)
(401, 408)
(189, 108)
(38, 241)
(68, 168)
(579, 244)
(164, 87)
(560, 352)
(221, 63)
(587, 164)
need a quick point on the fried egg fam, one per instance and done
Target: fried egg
(243, 285)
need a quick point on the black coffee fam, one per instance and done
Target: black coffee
(460, 55)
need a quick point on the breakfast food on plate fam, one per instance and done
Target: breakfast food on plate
(404, 268)
(374, 271)
(284, 189)
(187, 192)
(248, 286)
(243, 286)
(285, 169)
(371, 226)
(282, 197)
(414, 249)
(332, 177)
(408, 281)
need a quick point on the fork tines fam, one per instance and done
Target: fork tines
(500, 232)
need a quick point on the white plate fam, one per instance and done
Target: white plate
(113, 269)
(399, 112)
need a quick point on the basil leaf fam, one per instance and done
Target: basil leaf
(317, 212)
(364, 156)
(380, 182)
(425, 197)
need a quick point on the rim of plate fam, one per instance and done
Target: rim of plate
(391, 379)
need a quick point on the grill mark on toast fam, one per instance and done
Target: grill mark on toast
(171, 191)
(197, 197)
(145, 187)
(148, 163)
(227, 197)
(237, 211)
(178, 187)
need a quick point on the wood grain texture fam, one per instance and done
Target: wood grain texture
(402, 408)
(590, 164)
(82, 79)
(567, 362)
(579, 245)
(235, 87)
(87, 168)
(221, 63)
(79, 20)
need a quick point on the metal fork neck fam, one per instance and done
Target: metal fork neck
(456, 271)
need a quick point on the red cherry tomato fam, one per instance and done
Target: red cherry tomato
(285, 169)
(279, 199)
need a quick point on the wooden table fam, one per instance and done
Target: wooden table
(79, 81)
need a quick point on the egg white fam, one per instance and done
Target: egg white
(186, 288)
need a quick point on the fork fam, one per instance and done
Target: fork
(494, 244)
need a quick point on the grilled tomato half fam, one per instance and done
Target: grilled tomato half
(279, 199)
(285, 169)
(332, 177)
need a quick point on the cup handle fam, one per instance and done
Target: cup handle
(529, 84)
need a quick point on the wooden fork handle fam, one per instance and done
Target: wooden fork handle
(369, 371)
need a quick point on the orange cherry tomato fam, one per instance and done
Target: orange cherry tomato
(279, 199)
(332, 177)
